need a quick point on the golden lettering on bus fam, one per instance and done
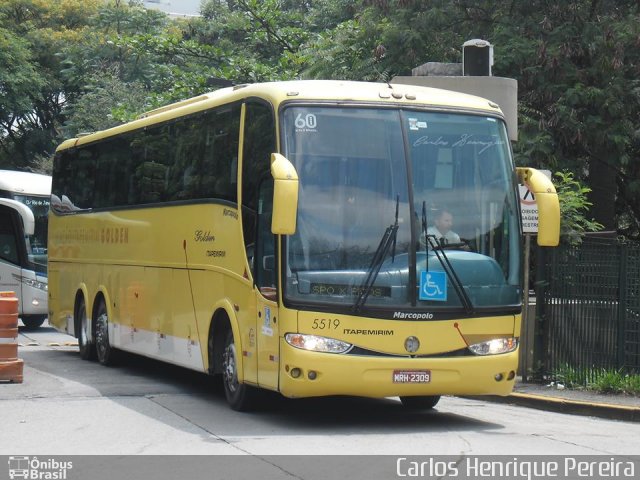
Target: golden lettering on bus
(114, 235)
(90, 235)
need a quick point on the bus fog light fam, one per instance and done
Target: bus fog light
(499, 377)
(511, 375)
(315, 343)
(312, 375)
(296, 372)
(495, 347)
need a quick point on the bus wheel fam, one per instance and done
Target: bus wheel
(240, 397)
(420, 403)
(86, 346)
(31, 322)
(104, 351)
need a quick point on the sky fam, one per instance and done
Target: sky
(179, 7)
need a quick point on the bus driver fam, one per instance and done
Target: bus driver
(443, 233)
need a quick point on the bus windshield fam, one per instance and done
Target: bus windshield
(401, 210)
(37, 245)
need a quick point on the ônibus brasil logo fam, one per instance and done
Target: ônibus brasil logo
(33, 468)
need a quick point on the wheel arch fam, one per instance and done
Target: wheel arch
(222, 320)
(102, 295)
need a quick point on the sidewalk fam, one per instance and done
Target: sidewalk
(576, 402)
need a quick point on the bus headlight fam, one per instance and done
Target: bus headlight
(315, 343)
(495, 347)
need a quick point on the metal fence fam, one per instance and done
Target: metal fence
(590, 314)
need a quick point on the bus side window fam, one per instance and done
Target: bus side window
(74, 175)
(221, 154)
(150, 173)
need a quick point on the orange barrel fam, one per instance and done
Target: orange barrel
(8, 344)
(11, 371)
(8, 310)
(10, 366)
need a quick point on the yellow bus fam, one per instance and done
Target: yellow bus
(281, 235)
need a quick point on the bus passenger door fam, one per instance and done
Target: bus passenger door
(10, 269)
(265, 267)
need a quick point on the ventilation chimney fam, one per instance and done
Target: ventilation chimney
(477, 58)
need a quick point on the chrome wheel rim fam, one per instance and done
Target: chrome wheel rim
(229, 369)
(102, 335)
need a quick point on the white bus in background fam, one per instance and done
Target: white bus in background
(24, 206)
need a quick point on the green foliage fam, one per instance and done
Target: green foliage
(37, 30)
(577, 66)
(574, 208)
(599, 380)
(19, 77)
(610, 382)
(570, 377)
(345, 53)
(65, 64)
(577, 70)
(108, 102)
(261, 39)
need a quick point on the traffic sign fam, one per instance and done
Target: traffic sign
(433, 286)
(529, 207)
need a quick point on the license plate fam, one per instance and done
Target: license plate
(411, 376)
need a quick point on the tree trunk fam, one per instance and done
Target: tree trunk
(602, 180)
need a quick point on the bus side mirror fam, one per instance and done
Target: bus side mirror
(285, 195)
(548, 205)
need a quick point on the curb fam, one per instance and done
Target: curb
(573, 407)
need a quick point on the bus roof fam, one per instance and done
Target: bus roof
(25, 183)
(301, 90)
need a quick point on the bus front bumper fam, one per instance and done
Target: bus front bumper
(312, 374)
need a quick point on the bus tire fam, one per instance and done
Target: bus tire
(31, 322)
(425, 402)
(104, 351)
(240, 397)
(85, 343)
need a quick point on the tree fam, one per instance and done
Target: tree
(20, 84)
(574, 208)
(577, 64)
(578, 69)
(261, 39)
(37, 30)
(107, 102)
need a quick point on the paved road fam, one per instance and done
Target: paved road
(67, 406)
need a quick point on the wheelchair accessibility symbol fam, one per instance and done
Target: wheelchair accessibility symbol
(433, 286)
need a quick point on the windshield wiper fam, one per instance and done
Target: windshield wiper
(387, 242)
(432, 240)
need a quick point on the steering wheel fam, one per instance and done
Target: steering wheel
(461, 245)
